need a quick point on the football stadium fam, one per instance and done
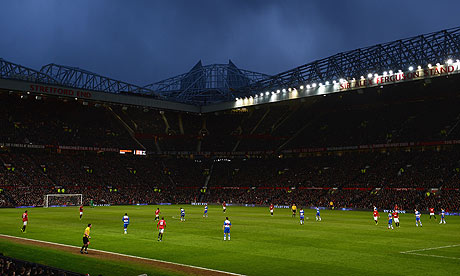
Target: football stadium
(346, 165)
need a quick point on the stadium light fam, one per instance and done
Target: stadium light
(438, 64)
(261, 94)
(362, 77)
(308, 86)
(267, 93)
(342, 80)
(419, 67)
(391, 72)
(301, 87)
(429, 65)
(449, 61)
(313, 85)
(411, 68)
(320, 84)
(385, 73)
(327, 82)
(277, 91)
(369, 75)
(236, 99)
(334, 82)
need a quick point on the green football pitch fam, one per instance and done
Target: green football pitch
(343, 243)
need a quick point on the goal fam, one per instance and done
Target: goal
(61, 200)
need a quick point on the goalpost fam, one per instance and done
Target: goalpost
(63, 200)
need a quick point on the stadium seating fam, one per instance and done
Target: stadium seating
(311, 172)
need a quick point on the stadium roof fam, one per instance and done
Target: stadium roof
(421, 50)
(208, 84)
(218, 84)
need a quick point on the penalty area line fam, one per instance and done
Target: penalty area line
(124, 255)
(431, 248)
(413, 252)
(430, 255)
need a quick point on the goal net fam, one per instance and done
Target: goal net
(59, 200)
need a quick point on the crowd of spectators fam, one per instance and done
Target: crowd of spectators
(416, 178)
(15, 267)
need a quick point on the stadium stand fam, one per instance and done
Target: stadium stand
(351, 180)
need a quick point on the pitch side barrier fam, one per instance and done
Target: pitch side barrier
(243, 205)
(95, 205)
(314, 208)
(237, 153)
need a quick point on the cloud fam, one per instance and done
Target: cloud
(146, 41)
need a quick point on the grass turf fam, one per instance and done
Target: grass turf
(76, 263)
(343, 243)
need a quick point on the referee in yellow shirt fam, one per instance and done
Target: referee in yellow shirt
(294, 209)
(86, 238)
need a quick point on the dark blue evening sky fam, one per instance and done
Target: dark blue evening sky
(147, 41)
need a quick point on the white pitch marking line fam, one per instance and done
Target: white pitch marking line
(432, 248)
(429, 255)
(125, 255)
